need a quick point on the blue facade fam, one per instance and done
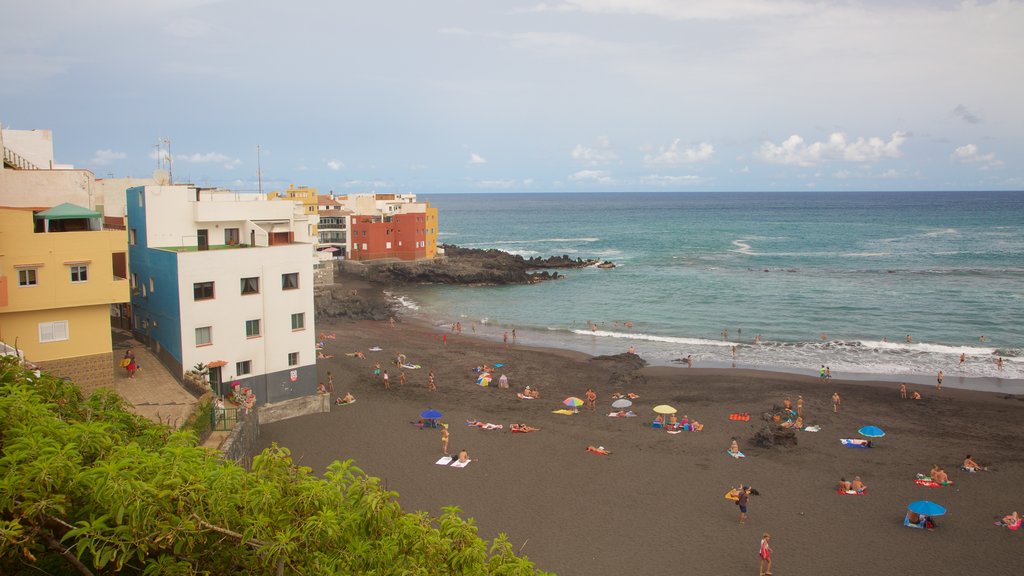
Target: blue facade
(156, 315)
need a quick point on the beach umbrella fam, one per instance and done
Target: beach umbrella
(926, 508)
(622, 403)
(664, 409)
(871, 432)
(573, 402)
(484, 379)
(430, 414)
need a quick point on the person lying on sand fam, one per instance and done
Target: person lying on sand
(348, 398)
(915, 395)
(857, 485)
(734, 447)
(323, 356)
(845, 485)
(463, 456)
(522, 428)
(623, 414)
(940, 477)
(970, 465)
(1012, 520)
(695, 426)
(529, 393)
(598, 450)
(321, 389)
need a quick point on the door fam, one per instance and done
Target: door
(204, 239)
(215, 381)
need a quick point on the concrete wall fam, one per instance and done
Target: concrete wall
(312, 404)
(240, 445)
(36, 146)
(47, 188)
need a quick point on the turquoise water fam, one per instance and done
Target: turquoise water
(864, 269)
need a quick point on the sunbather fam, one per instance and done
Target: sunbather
(845, 485)
(857, 485)
(463, 456)
(321, 355)
(1012, 520)
(523, 428)
(970, 465)
(940, 477)
(598, 450)
(734, 447)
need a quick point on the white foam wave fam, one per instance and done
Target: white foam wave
(524, 253)
(945, 232)
(927, 347)
(743, 248)
(866, 254)
(653, 338)
(408, 302)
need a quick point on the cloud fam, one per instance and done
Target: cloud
(106, 156)
(224, 160)
(689, 10)
(335, 165)
(475, 158)
(187, 28)
(674, 154)
(968, 154)
(659, 180)
(964, 114)
(599, 154)
(592, 176)
(795, 152)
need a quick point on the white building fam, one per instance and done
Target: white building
(225, 279)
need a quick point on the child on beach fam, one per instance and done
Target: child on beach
(444, 439)
(766, 555)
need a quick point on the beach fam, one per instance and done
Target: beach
(656, 505)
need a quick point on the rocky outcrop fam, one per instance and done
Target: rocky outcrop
(624, 370)
(342, 301)
(469, 266)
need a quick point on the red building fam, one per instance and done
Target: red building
(402, 236)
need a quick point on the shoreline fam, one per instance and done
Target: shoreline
(986, 384)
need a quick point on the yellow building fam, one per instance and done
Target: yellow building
(60, 272)
(431, 231)
(304, 195)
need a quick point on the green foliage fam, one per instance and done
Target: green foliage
(87, 487)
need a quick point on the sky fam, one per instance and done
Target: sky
(459, 96)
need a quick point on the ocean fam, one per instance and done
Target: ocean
(835, 279)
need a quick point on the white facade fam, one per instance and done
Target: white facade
(228, 311)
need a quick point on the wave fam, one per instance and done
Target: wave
(653, 338)
(743, 248)
(926, 347)
(943, 232)
(405, 301)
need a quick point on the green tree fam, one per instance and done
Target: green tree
(87, 487)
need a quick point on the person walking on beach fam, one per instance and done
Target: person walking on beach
(903, 391)
(689, 361)
(938, 380)
(591, 399)
(431, 385)
(387, 381)
(766, 555)
(513, 335)
(821, 372)
(741, 500)
(505, 338)
(444, 439)
(401, 378)
(800, 406)
(836, 400)
(828, 372)
(962, 360)
(330, 382)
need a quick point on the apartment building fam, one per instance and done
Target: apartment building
(224, 279)
(390, 226)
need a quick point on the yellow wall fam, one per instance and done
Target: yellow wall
(84, 305)
(305, 196)
(88, 332)
(431, 226)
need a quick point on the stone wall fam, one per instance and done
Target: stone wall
(240, 445)
(89, 372)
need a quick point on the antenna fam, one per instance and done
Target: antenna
(259, 170)
(170, 162)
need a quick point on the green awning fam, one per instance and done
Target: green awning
(67, 211)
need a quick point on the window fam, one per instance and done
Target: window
(27, 277)
(204, 336)
(299, 321)
(290, 281)
(135, 280)
(252, 328)
(202, 290)
(387, 245)
(79, 273)
(132, 235)
(231, 236)
(53, 331)
(243, 368)
(152, 286)
(251, 285)
(293, 358)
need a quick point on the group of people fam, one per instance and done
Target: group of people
(855, 486)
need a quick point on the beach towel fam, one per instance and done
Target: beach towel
(600, 451)
(742, 416)
(411, 366)
(814, 428)
(1013, 527)
(629, 414)
(523, 396)
(736, 454)
(498, 365)
(485, 425)
(563, 411)
(733, 495)
(458, 464)
(340, 403)
(851, 492)
(673, 431)
(375, 349)
(929, 483)
(445, 461)
(855, 443)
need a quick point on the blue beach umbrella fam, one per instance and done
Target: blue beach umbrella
(926, 508)
(871, 432)
(430, 414)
